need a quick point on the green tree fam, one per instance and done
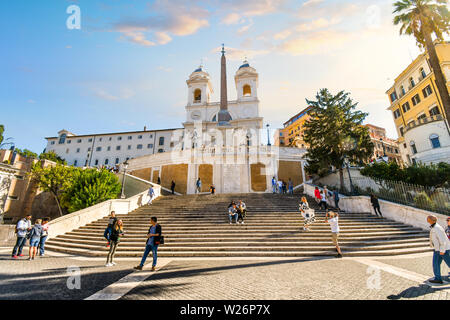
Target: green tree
(90, 187)
(335, 132)
(422, 19)
(54, 179)
(4, 142)
(2, 130)
(52, 156)
(26, 153)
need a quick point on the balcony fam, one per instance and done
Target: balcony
(419, 122)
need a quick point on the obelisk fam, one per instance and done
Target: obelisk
(224, 115)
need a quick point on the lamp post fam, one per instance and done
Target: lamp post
(268, 135)
(347, 161)
(125, 167)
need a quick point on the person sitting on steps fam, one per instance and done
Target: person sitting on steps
(232, 213)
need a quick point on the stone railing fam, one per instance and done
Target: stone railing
(419, 122)
(390, 210)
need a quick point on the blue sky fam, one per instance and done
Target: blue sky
(126, 67)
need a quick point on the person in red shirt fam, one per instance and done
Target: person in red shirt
(317, 195)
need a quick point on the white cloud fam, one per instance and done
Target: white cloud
(123, 94)
(235, 54)
(232, 18)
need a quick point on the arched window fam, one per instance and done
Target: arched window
(214, 119)
(62, 138)
(247, 91)
(161, 141)
(413, 147)
(197, 95)
(411, 82)
(422, 73)
(435, 143)
(402, 89)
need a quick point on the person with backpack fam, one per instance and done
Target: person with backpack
(45, 227)
(35, 238)
(112, 220)
(114, 238)
(375, 204)
(22, 228)
(154, 239)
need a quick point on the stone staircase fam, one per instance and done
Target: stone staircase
(198, 226)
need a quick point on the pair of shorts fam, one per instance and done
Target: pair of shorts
(334, 238)
(34, 242)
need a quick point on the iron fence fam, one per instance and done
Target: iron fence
(422, 197)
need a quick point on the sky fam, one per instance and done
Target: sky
(126, 66)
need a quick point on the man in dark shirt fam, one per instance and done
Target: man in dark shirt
(112, 220)
(153, 241)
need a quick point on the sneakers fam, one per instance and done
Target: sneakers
(339, 256)
(15, 257)
(21, 255)
(138, 267)
(153, 268)
(434, 281)
(109, 264)
(29, 259)
(242, 222)
(107, 245)
(113, 263)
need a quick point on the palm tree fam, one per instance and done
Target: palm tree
(4, 142)
(423, 18)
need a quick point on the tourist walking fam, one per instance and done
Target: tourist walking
(375, 204)
(198, 186)
(114, 239)
(153, 241)
(22, 228)
(159, 180)
(307, 214)
(242, 211)
(327, 193)
(35, 238)
(441, 244)
(151, 194)
(45, 227)
(323, 201)
(317, 195)
(291, 186)
(284, 187)
(172, 187)
(111, 221)
(336, 199)
(274, 185)
(232, 213)
(333, 219)
(280, 187)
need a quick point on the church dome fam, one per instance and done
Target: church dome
(244, 65)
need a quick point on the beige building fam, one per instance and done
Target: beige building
(384, 147)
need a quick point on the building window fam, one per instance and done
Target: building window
(118, 148)
(434, 111)
(69, 141)
(160, 150)
(67, 150)
(75, 163)
(130, 137)
(106, 161)
(427, 91)
(98, 149)
(393, 96)
(139, 146)
(150, 146)
(96, 162)
(90, 140)
(413, 147)
(100, 139)
(435, 143)
(247, 91)
(119, 138)
(161, 141)
(397, 114)
(62, 138)
(411, 83)
(416, 99)
(422, 73)
(110, 139)
(78, 150)
(406, 107)
(117, 160)
(402, 131)
(129, 147)
(89, 149)
(422, 116)
(52, 143)
(79, 141)
(402, 89)
(139, 137)
(172, 144)
(108, 149)
(151, 136)
(197, 95)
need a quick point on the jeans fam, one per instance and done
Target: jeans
(336, 203)
(154, 250)
(112, 251)
(19, 246)
(377, 208)
(107, 233)
(437, 261)
(42, 245)
(274, 188)
(231, 216)
(291, 190)
(242, 215)
(323, 204)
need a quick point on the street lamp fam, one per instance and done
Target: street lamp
(347, 161)
(268, 135)
(125, 167)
